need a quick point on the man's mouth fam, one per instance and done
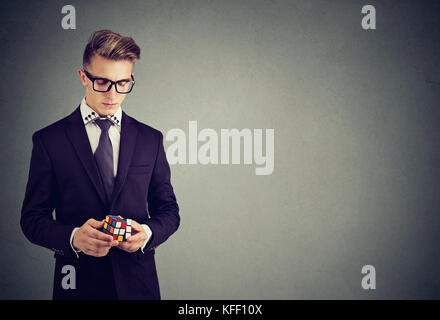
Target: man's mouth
(109, 104)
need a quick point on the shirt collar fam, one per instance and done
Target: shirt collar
(88, 114)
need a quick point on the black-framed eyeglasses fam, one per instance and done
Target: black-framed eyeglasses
(123, 86)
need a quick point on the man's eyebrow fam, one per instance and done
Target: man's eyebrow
(126, 79)
(102, 78)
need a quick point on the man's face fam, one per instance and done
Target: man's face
(105, 103)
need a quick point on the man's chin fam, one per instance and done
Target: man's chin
(109, 108)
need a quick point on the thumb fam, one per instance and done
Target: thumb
(95, 223)
(136, 226)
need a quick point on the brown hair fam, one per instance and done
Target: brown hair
(111, 45)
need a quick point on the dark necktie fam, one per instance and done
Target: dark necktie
(104, 157)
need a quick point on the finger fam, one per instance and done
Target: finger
(115, 243)
(137, 238)
(136, 226)
(97, 252)
(98, 248)
(124, 246)
(128, 246)
(90, 251)
(93, 233)
(95, 223)
(96, 243)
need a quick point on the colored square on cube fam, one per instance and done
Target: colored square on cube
(118, 227)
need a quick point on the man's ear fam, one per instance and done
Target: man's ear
(82, 77)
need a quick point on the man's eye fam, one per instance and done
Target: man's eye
(122, 83)
(101, 82)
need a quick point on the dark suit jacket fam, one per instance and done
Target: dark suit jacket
(63, 175)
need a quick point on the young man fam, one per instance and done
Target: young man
(95, 162)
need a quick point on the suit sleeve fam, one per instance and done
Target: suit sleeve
(36, 221)
(162, 205)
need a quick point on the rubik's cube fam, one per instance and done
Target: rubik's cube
(118, 227)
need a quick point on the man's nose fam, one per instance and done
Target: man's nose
(112, 92)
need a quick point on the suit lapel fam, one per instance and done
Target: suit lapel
(77, 134)
(127, 145)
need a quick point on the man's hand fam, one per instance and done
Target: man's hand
(136, 240)
(91, 241)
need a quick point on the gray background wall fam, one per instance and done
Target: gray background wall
(355, 115)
